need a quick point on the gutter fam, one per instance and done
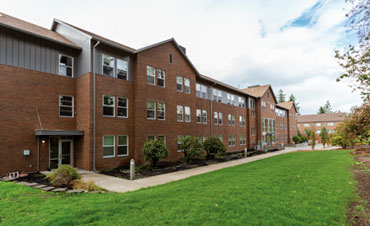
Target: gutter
(94, 107)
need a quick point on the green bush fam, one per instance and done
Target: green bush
(297, 139)
(63, 176)
(313, 139)
(191, 147)
(154, 151)
(339, 140)
(324, 136)
(213, 146)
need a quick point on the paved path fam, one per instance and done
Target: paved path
(116, 184)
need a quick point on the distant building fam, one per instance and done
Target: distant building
(318, 121)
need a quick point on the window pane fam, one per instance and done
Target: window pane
(150, 71)
(108, 111)
(65, 111)
(108, 151)
(179, 83)
(122, 150)
(108, 101)
(122, 69)
(108, 140)
(122, 102)
(151, 138)
(122, 140)
(122, 112)
(160, 78)
(187, 85)
(108, 65)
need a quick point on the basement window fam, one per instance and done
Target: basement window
(66, 106)
(65, 65)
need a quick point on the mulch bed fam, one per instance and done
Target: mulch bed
(359, 210)
(173, 166)
(35, 178)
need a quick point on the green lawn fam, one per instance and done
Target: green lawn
(305, 188)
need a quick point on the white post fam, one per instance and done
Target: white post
(245, 152)
(132, 169)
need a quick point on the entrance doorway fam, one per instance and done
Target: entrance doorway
(61, 152)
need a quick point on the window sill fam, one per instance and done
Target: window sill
(108, 157)
(108, 116)
(122, 117)
(122, 155)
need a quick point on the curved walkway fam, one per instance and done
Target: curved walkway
(116, 184)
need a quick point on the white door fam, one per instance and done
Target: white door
(65, 152)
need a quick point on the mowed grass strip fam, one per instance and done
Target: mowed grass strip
(303, 188)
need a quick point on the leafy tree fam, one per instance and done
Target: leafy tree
(281, 97)
(313, 139)
(355, 60)
(307, 132)
(324, 136)
(292, 98)
(191, 147)
(214, 146)
(154, 151)
(358, 124)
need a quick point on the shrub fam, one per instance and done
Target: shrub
(214, 146)
(324, 136)
(154, 151)
(63, 176)
(87, 186)
(297, 139)
(313, 139)
(191, 147)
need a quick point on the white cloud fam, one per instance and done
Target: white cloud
(222, 38)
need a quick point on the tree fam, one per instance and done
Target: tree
(313, 139)
(191, 147)
(321, 110)
(355, 60)
(324, 136)
(358, 124)
(326, 109)
(214, 146)
(292, 98)
(154, 151)
(281, 97)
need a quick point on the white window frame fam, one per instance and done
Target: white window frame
(164, 78)
(200, 113)
(114, 146)
(215, 118)
(60, 56)
(306, 125)
(182, 113)
(73, 106)
(184, 82)
(114, 106)
(318, 124)
(154, 76)
(118, 107)
(118, 145)
(164, 110)
(179, 142)
(187, 107)
(331, 124)
(233, 119)
(204, 122)
(155, 110)
(220, 118)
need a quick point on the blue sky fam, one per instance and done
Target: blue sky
(289, 44)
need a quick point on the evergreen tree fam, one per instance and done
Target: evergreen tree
(324, 136)
(292, 98)
(328, 108)
(321, 110)
(281, 97)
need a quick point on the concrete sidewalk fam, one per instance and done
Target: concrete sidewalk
(116, 184)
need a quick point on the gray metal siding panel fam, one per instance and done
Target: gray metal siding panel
(2, 46)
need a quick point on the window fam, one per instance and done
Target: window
(122, 146)
(243, 140)
(122, 69)
(219, 96)
(187, 114)
(318, 131)
(215, 118)
(161, 77)
(204, 116)
(108, 65)
(108, 146)
(150, 75)
(150, 137)
(150, 108)
(163, 138)
(331, 123)
(179, 143)
(272, 107)
(221, 138)
(318, 124)
(108, 105)
(161, 111)
(241, 101)
(66, 106)
(233, 119)
(214, 94)
(197, 89)
(203, 92)
(65, 65)
(253, 131)
(253, 114)
(229, 119)
(230, 99)
(232, 140)
(220, 118)
(170, 58)
(186, 85)
(306, 124)
(199, 115)
(180, 113)
(179, 83)
(122, 106)
(331, 131)
(252, 104)
(242, 120)
(264, 105)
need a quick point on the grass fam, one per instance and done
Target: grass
(303, 188)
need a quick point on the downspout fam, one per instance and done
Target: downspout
(38, 140)
(211, 113)
(94, 108)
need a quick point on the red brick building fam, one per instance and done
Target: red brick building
(69, 96)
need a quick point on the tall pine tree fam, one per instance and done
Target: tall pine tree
(281, 97)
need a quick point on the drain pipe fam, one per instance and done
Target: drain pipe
(211, 115)
(94, 107)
